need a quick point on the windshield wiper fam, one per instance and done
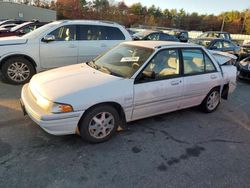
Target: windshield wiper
(102, 68)
(93, 64)
(106, 69)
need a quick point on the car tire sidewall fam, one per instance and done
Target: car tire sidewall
(11, 61)
(84, 123)
(204, 103)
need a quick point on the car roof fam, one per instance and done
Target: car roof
(223, 32)
(88, 22)
(220, 39)
(159, 44)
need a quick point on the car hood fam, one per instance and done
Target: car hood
(68, 82)
(12, 41)
(223, 57)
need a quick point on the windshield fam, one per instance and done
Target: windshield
(19, 26)
(123, 60)
(40, 30)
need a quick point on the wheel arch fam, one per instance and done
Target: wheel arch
(115, 105)
(30, 59)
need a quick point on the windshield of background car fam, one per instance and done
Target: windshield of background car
(142, 34)
(205, 43)
(123, 60)
(40, 30)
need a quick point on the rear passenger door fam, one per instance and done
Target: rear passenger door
(200, 76)
(94, 40)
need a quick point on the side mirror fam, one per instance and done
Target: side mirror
(146, 75)
(213, 48)
(49, 38)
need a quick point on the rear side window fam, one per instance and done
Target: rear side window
(167, 37)
(113, 33)
(227, 44)
(196, 62)
(94, 32)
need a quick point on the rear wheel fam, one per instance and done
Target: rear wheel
(99, 124)
(17, 70)
(212, 101)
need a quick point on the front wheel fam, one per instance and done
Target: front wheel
(17, 70)
(212, 101)
(99, 124)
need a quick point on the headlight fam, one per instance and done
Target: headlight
(42, 102)
(50, 106)
(53, 107)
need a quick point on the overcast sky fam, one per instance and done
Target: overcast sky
(200, 6)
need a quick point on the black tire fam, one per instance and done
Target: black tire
(18, 61)
(204, 104)
(87, 118)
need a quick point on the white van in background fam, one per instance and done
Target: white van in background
(57, 44)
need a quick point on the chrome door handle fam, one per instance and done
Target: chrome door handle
(176, 82)
(103, 45)
(213, 76)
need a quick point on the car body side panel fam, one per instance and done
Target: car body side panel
(30, 49)
(196, 87)
(157, 97)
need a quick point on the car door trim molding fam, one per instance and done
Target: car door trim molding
(171, 99)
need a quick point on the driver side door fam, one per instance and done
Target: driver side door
(62, 51)
(162, 91)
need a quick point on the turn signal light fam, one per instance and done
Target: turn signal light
(65, 108)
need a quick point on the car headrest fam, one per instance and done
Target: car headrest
(198, 62)
(172, 62)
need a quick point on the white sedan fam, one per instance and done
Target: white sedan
(134, 80)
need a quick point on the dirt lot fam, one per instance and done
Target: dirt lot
(182, 149)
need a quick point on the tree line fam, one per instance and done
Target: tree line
(138, 14)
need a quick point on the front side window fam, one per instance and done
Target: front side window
(196, 62)
(65, 33)
(218, 44)
(123, 60)
(164, 64)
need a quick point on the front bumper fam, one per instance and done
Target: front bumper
(56, 124)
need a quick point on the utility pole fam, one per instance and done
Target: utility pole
(223, 23)
(244, 21)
